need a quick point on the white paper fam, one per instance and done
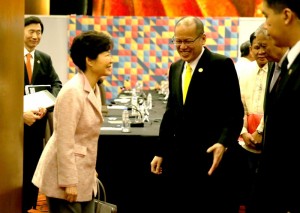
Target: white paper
(38, 99)
(111, 128)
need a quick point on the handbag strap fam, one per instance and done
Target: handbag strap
(99, 187)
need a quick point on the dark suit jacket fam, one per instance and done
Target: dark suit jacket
(43, 73)
(213, 111)
(279, 168)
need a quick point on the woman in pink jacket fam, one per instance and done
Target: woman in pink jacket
(66, 170)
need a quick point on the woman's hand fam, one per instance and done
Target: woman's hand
(71, 193)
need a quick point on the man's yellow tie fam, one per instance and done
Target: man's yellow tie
(187, 80)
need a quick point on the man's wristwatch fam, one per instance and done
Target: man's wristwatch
(259, 132)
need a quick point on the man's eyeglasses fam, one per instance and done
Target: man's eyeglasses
(185, 42)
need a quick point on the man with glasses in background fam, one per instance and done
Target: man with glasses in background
(201, 124)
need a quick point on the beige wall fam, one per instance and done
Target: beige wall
(55, 42)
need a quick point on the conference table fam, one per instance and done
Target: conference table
(123, 162)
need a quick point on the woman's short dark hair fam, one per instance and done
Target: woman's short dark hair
(89, 44)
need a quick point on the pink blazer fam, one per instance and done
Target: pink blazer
(69, 157)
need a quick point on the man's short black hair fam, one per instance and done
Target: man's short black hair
(279, 5)
(33, 20)
(252, 37)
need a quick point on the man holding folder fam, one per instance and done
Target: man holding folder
(38, 70)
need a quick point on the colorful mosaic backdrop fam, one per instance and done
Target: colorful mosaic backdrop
(142, 46)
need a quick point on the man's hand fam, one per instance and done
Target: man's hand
(252, 140)
(31, 116)
(156, 165)
(42, 111)
(218, 151)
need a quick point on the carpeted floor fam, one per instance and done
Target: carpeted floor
(43, 208)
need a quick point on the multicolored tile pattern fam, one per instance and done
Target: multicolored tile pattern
(142, 46)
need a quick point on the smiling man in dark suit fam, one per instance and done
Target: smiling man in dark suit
(278, 186)
(39, 71)
(196, 129)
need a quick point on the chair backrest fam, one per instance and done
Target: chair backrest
(103, 97)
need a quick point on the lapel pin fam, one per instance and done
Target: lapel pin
(200, 70)
(38, 61)
(290, 71)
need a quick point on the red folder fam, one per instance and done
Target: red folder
(253, 121)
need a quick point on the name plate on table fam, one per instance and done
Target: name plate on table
(117, 107)
(108, 128)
